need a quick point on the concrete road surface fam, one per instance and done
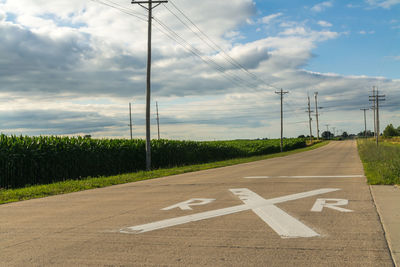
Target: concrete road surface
(308, 209)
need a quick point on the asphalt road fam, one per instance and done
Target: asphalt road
(308, 209)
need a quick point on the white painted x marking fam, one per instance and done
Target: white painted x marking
(282, 223)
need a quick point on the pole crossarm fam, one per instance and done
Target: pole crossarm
(140, 3)
(376, 98)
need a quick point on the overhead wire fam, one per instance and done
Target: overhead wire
(122, 9)
(206, 59)
(213, 45)
(181, 41)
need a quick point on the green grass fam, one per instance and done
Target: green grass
(69, 186)
(382, 163)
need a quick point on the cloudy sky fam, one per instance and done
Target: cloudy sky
(72, 67)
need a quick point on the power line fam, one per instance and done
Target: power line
(213, 45)
(122, 9)
(206, 59)
(185, 44)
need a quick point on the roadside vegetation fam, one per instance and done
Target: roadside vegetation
(42, 160)
(381, 163)
(68, 186)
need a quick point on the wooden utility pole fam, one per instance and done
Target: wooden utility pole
(316, 112)
(309, 118)
(158, 121)
(281, 93)
(376, 98)
(374, 108)
(327, 131)
(130, 119)
(365, 121)
(149, 8)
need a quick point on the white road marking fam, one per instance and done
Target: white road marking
(321, 203)
(281, 222)
(304, 176)
(185, 205)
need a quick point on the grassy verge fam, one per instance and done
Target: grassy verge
(69, 186)
(382, 163)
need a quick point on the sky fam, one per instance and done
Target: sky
(72, 67)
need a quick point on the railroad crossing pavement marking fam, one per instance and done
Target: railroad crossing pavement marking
(321, 203)
(185, 205)
(282, 223)
(300, 177)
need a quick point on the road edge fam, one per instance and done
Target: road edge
(384, 228)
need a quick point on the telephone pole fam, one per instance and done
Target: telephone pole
(376, 97)
(281, 93)
(309, 118)
(316, 112)
(373, 108)
(327, 131)
(365, 121)
(149, 8)
(130, 118)
(158, 121)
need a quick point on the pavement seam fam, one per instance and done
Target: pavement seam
(383, 226)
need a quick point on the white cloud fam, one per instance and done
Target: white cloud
(353, 6)
(324, 23)
(268, 19)
(74, 67)
(322, 6)
(387, 4)
(363, 32)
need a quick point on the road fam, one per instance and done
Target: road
(308, 209)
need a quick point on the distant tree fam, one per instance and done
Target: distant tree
(327, 135)
(390, 131)
(345, 135)
(362, 134)
(301, 136)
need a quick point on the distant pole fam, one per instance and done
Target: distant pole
(374, 108)
(148, 79)
(365, 121)
(158, 121)
(309, 118)
(376, 98)
(130, 119)
(281, 93)
(377, 116)
(334, 131)
(316, 112)
(327, 131)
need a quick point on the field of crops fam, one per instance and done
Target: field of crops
(42, 160)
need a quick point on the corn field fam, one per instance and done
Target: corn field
(42, 160)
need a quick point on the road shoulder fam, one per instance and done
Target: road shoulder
(387, 199)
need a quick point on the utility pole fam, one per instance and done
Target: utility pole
(316, 112)
(309, 118)
(148, 80)
(365, 121)
(374, 108)
(130, 118)
(376, 98)
(158, 121)
(334, 131)
(281, 93)
(327, 131)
